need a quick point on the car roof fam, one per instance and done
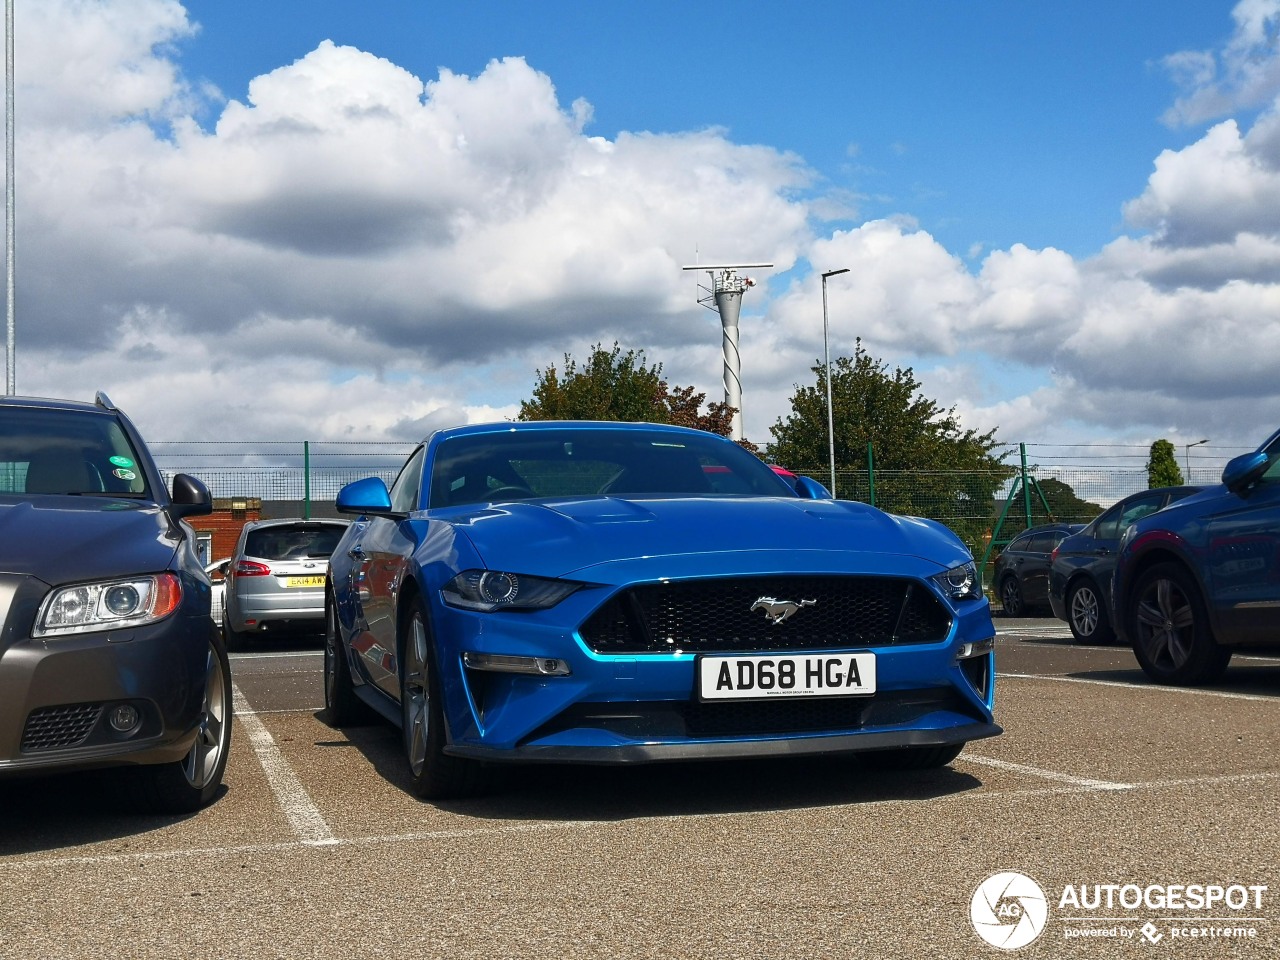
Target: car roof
(1187, 489)
(1050, 528)
(49, 403)
(283, 521)
(534, 426)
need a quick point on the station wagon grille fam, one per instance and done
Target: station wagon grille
(50, 728)
(697, 616)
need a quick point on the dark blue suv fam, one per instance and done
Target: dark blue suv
(1202, 576)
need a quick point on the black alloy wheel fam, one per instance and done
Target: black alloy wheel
(1011, 597)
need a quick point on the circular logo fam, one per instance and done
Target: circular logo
(1008, 910)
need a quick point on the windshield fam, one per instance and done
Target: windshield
(293, 542)
(50, 452)
(519, 465)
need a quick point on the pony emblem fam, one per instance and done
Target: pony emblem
(776, 611)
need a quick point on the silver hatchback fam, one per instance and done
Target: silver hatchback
(276, 577)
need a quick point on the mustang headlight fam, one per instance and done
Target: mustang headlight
(960, 583)
(108, 605)
(489, 590)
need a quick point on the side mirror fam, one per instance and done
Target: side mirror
(1245, 470)
(365, 496)
(811, 489)
(189, 497)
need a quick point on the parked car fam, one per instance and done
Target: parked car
(1082, 564)
(1202, 576)
(217, 574)
(276, 577)
(108, 656)
(580, 592)
(1021, 572)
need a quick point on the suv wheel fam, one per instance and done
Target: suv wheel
(1170, 629)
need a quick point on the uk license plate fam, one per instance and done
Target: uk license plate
(762, 676)
(315, 581)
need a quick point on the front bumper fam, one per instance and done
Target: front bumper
(643, 707)
(56, 695)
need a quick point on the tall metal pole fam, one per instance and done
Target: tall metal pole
(1186, 455)
(826, 359)
(10, 378)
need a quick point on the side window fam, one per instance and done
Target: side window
(1020, 544)
(1136, 511)
(1040, 543)
(1108, 527)
(404, 492)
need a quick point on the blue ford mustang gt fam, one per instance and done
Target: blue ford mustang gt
(619, 592)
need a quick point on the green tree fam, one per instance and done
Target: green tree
(1064, 505)
(1162, 467)
(613, 385)
(953, 472)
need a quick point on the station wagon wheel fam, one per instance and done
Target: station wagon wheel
(1087, 615)
(1170, 629)
(191, 783)
(1011, 597)
(433, 775)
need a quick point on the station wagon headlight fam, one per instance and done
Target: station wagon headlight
(489, 590)
(960, 583)
(108, 605)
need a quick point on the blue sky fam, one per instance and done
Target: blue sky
(991, 122)
(1065, 218)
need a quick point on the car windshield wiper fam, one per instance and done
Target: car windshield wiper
(111, 494)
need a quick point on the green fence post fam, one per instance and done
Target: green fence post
(871, 473)
(1026, 488)
(306, 479)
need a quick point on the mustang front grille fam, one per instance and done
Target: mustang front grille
(767, 613)
(53, 727)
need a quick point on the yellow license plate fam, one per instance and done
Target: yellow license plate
(304, 581)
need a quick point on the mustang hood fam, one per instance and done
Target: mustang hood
(68, 539)
(564, 538)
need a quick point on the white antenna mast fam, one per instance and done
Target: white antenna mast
(726, 290)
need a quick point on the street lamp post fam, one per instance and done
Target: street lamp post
(826, 357)
(1186, 455)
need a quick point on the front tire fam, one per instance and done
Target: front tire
(433, 775)
(1011, 597)
(1169, 625)
(1087, 615)
(191, 783)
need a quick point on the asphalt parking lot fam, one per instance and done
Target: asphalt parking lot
(1102, 790)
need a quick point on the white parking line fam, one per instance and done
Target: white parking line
(1048, 774)
(1152, 687)
(295, 802)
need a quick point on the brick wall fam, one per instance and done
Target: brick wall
(225, 523)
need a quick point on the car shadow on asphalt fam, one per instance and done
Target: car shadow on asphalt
(565, 792)
(72, 810)
(1260, 679)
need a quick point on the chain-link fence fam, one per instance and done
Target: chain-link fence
(985, 508)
